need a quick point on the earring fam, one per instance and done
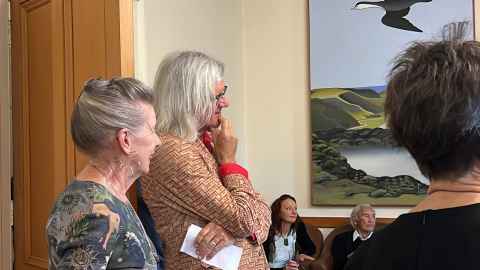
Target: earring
(130, 174)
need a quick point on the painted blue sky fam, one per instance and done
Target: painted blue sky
(352, 48)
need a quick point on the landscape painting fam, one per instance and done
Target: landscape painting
(348, 137)
(352, 45)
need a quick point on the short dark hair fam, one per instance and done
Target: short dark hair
(433, 103)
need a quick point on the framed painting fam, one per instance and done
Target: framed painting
(352, 45)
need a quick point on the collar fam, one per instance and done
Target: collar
(207, 140)
(357, 235)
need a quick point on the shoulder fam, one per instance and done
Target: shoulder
(84, 212)
(343, 236)
(81, 200)
(78, 197)
(175, 156)
(301, 229)
(174, 150)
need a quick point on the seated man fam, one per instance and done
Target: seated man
(362, 219)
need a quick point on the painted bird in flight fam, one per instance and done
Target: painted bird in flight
(395, 11)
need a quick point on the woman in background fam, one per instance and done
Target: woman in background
(288, 242)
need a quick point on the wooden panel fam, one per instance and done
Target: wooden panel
(89, 51)
(333, 222)
(103, 47)
(102, 42)
(38, 102)
(40, 130)
(6, 257)
(56, 46)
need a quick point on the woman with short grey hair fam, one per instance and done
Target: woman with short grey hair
(92, 224)
(194, 178)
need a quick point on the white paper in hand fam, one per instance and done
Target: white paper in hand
(228, 258)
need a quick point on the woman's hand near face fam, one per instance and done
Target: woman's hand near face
(211, 239)
(225, 142)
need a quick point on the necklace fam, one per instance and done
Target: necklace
(100, 171)
(112, 188)
(285, 239)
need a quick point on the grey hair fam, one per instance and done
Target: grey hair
(356, 211)
(455, 31)
(104, 107)
(184, 98)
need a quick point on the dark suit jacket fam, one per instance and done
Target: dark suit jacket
(343, 247)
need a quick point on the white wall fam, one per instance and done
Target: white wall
(277, 103)
(264, 46)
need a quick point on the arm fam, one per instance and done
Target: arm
(85, 237)
(259, 221)
(185, 175)
(338, 253)
(266, 248)
(358, 258)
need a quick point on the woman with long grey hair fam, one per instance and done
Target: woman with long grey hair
(194, 178)
(92, 224)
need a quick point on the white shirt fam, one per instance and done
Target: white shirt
(357, 235)
(283, 253)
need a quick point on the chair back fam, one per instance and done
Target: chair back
(317, 238)
(325, 262)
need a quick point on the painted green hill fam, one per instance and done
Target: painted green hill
(335, 108)
(367, 93)
(360, 101)
(325, 116)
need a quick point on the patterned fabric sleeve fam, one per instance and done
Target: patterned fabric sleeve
(194, 186)
(258, 217)
(81, 240)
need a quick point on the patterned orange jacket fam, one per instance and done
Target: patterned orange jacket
(184, 187)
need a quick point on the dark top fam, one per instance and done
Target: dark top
(343, 248)
(304, 245)
(89, 228)
(149, 225)
(432, 239)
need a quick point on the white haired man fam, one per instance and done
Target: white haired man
(344, 245)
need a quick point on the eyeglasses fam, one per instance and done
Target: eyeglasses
(219, 96)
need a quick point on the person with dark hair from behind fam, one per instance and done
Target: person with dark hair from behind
(288, 242)
(344, 245)
(433, 109)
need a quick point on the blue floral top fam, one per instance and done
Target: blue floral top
(89, 228)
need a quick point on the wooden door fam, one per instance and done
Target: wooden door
(56, 46)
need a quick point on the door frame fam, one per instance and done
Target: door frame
(6, 245)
